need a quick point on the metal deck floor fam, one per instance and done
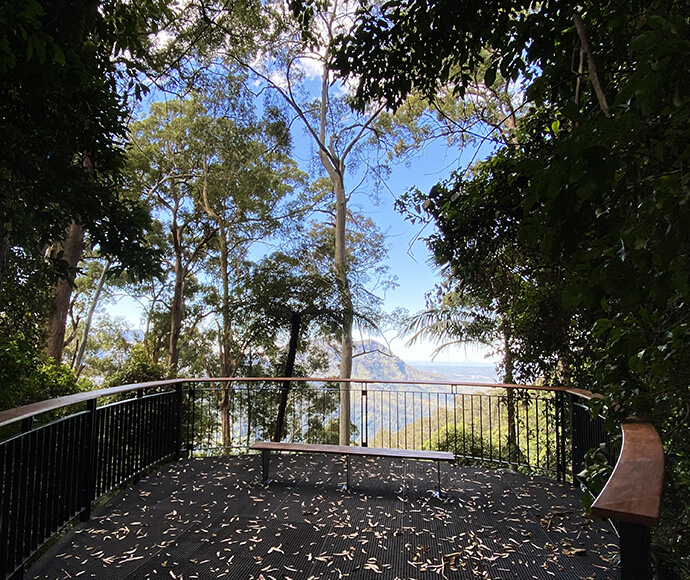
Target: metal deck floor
(212, 518)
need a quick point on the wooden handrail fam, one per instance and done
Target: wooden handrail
(584, 394)
(633, 492)
(19, 413)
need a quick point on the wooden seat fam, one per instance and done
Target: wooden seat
(267, 446)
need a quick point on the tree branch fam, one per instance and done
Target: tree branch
(591, 65)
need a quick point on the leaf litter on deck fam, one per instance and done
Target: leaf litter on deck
(212, 518)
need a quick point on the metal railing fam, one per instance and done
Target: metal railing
(58, 456)
(502, 425)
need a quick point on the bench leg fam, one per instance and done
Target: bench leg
(265, 465)
(347, 472)
(438, 476)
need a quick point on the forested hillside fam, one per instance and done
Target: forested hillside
(373, 360)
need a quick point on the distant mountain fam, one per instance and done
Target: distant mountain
(392, 408)
(373, 360)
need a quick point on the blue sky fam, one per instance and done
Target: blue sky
(409, 258)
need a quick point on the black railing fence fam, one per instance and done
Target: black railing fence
(483, 424)
(587, 433)
(53, 468)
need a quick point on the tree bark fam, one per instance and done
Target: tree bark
(227, 365)
(224, 409)
(335, 167)
(345, 293)
(509, 379)
(295, 328)
(176, 317)
(72, 249)
(180, 271)
(591, 65)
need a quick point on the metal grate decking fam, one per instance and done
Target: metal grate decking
(212, 518)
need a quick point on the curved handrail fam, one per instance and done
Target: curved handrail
(584, 394)
(633, 492)
(19, 413)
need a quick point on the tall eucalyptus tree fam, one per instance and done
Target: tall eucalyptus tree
(298, 73)
(166, 161)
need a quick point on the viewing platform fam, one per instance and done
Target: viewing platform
(212, 518)
(155, 480)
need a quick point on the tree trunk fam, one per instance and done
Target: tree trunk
(227, 365)
(509, 378)
(4, 254)
(295, 327)
(345, 293)
(345, 373)
(335, 166)
(176, 317)
(224, 409)
(72, 249)
(89, 318)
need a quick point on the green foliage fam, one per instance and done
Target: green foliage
(63, 122)
(328, 433)
(27, 378)
(470, 446)
(669, 543)
(450, 319)
(64, 71)
(595, 474)
(403, 31)
(18, 362)
(138, 368)
(220, 179)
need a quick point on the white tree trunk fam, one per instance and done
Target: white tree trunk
(89, 318)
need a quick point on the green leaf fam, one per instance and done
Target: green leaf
(490, 75)
(58, 55)
(40, 46)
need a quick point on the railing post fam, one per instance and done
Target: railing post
(365, 417)
(560, 436)
(88, 471)
(27, 424)
(578, 415)
(191, 397)
(635, 546)
(178, 423)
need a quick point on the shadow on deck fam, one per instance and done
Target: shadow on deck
(212, 518)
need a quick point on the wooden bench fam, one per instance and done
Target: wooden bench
(267, 446)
